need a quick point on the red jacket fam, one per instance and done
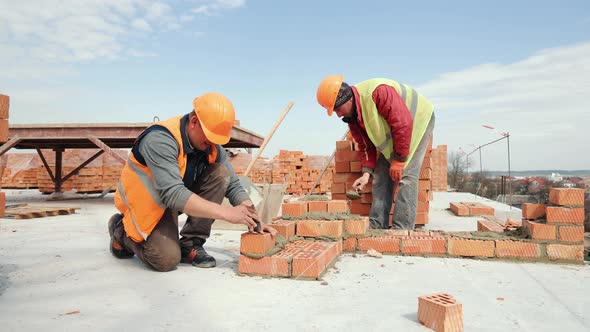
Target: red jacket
(390, 106)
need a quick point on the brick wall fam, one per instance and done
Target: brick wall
(439, 168)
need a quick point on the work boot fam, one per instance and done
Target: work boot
(117, 248)
(197, 255)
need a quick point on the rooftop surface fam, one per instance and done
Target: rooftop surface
(56, 274)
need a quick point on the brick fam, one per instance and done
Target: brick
(342, 167)
(512, 224)
(277, 265)
(317, 228)
(565, 215)
(360, 208)
(355, 166)
(515, 249)
(572, 234)
(313, 258)
(317, 206)
(2, 204)
(4, 106)
(424, 196)
(424, 185)
(382, 244)
(423, 245)
(3, 130)
(425, 173)
(338, 188)
(347, 156)
(356, 227)
(337, 206)
(566, 196)
(423, 206)
(343, 145)
(349, 244)
(397, 232)
(285, 228)
(422, 218)
(440, 312)
(470, 248)
(533, 211)
(538, 231)
(366, 198)
(296, 209)
(573, 252)
(339, 196)
(459, 209)
(257, 244)
(489, 226)
(479, 209)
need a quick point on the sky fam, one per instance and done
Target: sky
(522, 67)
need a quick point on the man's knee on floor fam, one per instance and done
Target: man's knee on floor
(164, 259)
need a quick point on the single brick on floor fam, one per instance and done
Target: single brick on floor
(384, 244)
(573, 234)
(285, 228)
(296, 209)
(356, 227)
(423, 245)
(573, 252)
(459, 209)
(517, 249)
(479, 209)
(470, 248)
(256, 244)
(489, 226)
(566, 196)
(317, 228)
(539, 231)
(440, 312)
(564, 215)
(533, 211)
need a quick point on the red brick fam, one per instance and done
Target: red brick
(538, 231)
(515, 249)
(533, 211)
(339, 196)
(356, 227)
(277, 265)
(349, 244)
(423, 206)
(342, 166)
(355, 166)
(424, 185)
(366, 198)
(4, 106)
(573, 252)
(317, 228)
(470, 248)
(489, 226)
(512, 224)
(337, 206)
(313, 259)
(397, 232)
(424, 195)
(257, 244)
(343, 145)
(440, 312)
(295, 209)
(338, 188)
(479, 209)
(317, 206)
(571, 233)
(3, 130)
(565, 215)
(424, 245)
(422, 218)
(459, 209)
(2, 204)
(567, 196)
(285, 228)
(360, 208)
(347, 156)
(382, 244)
(425, 173)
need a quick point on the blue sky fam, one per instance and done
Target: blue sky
(520, 66)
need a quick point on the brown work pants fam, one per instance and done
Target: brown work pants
(161, 250)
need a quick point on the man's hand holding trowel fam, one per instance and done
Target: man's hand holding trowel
(260, 227)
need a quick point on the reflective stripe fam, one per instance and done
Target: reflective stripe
(147, 183)
(384, 144)
(414, 105)
(124, 197)
(404, 92)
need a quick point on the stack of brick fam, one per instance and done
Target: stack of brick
(348, 169)
(299, 172)
(21, 170)
(4, 108)
(439, 168)
(261, 172)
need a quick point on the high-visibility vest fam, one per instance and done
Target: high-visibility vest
(136, 196)
(378, 129)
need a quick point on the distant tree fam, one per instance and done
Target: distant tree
(456, 172)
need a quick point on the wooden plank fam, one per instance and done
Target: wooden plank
(29, 212)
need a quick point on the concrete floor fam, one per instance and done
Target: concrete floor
(56, 265)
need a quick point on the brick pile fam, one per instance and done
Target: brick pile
(560, 239)
(300, 172)
(439, 168)
(261, 172)
(21, 170)
(347, 169)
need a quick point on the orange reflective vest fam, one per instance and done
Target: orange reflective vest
(136, 196)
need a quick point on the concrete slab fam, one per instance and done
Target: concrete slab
(56, 265)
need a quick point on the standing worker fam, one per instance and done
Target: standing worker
(178, 165)
(393, 118)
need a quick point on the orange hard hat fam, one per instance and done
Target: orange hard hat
(216, 115)
(328, 91)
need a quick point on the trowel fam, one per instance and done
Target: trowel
(353, 194)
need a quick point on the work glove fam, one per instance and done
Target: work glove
(396, 170)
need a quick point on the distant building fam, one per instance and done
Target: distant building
(556, 177)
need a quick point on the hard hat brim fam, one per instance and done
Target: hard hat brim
(215, 138)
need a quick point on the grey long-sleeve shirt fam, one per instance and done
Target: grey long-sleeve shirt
(160, 151)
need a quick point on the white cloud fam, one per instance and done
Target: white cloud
(141, 24)
(140, 54)
(540, 100)
(212, 7)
